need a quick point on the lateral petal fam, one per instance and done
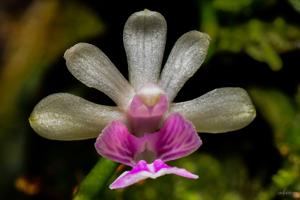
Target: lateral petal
(93, 68)
(64, 116)
(184, 60)
(144, 40)
(117, 144)
(220, 110)
(176, 139)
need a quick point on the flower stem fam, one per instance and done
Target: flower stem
(95, 180)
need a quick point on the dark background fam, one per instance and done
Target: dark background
(54, 168)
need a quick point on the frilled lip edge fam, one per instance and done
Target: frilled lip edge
(177, 138)
(142, 171)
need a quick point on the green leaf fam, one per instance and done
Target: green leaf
(96, 180)
(263, 41)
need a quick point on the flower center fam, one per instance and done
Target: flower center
(146, 154)
(150, 96)
(146, 110)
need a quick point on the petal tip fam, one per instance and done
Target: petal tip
(69, 52)
(147, 12)
(37, 125)
(194, 176)
(31, 119)
(250, 114)
(249, 109)
(113, 187)
(34, 123)
(204, 38)
(154, 17)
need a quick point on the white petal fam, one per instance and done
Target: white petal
(93, 68)
(185, 59)
(220, 110)
(144, 40)
(64, 116)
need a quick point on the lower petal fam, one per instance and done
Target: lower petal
(142, 171)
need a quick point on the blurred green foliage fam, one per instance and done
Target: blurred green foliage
(96, 180)
(283, 115)
(32, 42)
(44, 31)
(295, 4)
(262, 40)
(231, 5)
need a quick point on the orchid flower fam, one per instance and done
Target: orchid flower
(145, 129)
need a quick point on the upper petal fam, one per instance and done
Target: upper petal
(144, 40)
(93, 68)
(220, 110)
(185, 59)
(64, 116)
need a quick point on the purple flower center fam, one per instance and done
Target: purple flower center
(146, 111)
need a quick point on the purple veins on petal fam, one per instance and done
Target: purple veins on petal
(177, 138)
(117, 144)
(142, 171)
